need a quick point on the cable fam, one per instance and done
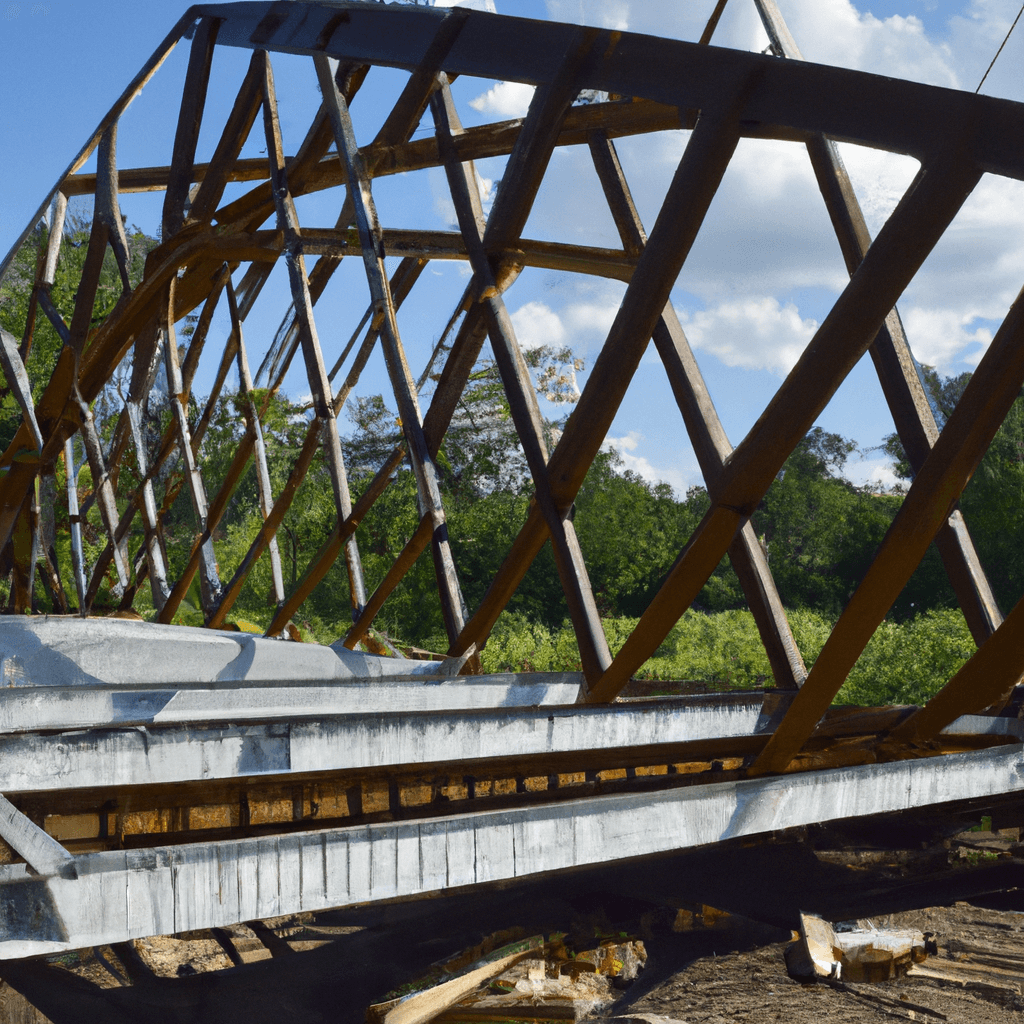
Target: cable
(1000, 50)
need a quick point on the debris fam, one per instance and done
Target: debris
(420, 1007)
(526, 980)
(865, 953)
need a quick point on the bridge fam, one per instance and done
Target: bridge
(162, 779)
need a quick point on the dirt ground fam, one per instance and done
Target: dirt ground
(753, 984)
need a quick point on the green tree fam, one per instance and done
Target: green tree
(819, 531)
(992, 503)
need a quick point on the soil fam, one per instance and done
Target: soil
(753, 984)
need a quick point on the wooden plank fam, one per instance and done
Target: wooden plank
(398, 370)
(693, 187)
(898, 116)
(21, 552)
(316, 372)
(252, 418)
(407, 112)
(902, 245)
(328, 553)
(106, 229)
(168, 443)
(533, 152)
(286, 496)
(988, 677)
(132, 90)
(414, 547)
(425, 1006)
(992, 390)
(710, 443)
(105, 497)
(75, 525)
(190, 116)
(549, 837)
(712, 23)
(402, 281)
(218, 172)
(495, 139)
(18, 383)
(209, 580)
(894, 363)
(154, 540)
(44, 854)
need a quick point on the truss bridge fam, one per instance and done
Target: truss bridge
(160, 778)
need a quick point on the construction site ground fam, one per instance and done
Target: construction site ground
(702, 965)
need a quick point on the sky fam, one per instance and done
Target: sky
(762, 276)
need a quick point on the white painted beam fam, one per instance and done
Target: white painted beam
(70, 673)
(130, 894)
(108, 757)
(42, 852)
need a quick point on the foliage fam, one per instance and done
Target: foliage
(992, 504)
(818, 531)
(904, 663)
(908, 662)
(16, 294)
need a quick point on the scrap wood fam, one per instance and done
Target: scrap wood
(970, 975)
(865, 954)
(425, 1006)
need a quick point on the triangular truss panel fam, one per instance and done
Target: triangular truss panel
(229, 221)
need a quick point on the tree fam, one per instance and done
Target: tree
(41, 344)
(992, 503)
(819, 531)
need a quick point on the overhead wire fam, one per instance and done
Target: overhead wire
(1000, 50)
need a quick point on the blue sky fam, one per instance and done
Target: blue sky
(761, 277)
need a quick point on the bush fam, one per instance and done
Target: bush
(904, 663)
(909, 662)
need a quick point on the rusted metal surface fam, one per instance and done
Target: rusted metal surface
(227, 223)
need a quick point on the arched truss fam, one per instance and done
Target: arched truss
(215, 252)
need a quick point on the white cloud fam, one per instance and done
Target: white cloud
(766, 265)
(613, 14)
(627, 447)
(477, 5)
(581, 325)
(874, 473)
(755, 333)
(537, 324)
(582, 317)
(504, 99)
(937, 336)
